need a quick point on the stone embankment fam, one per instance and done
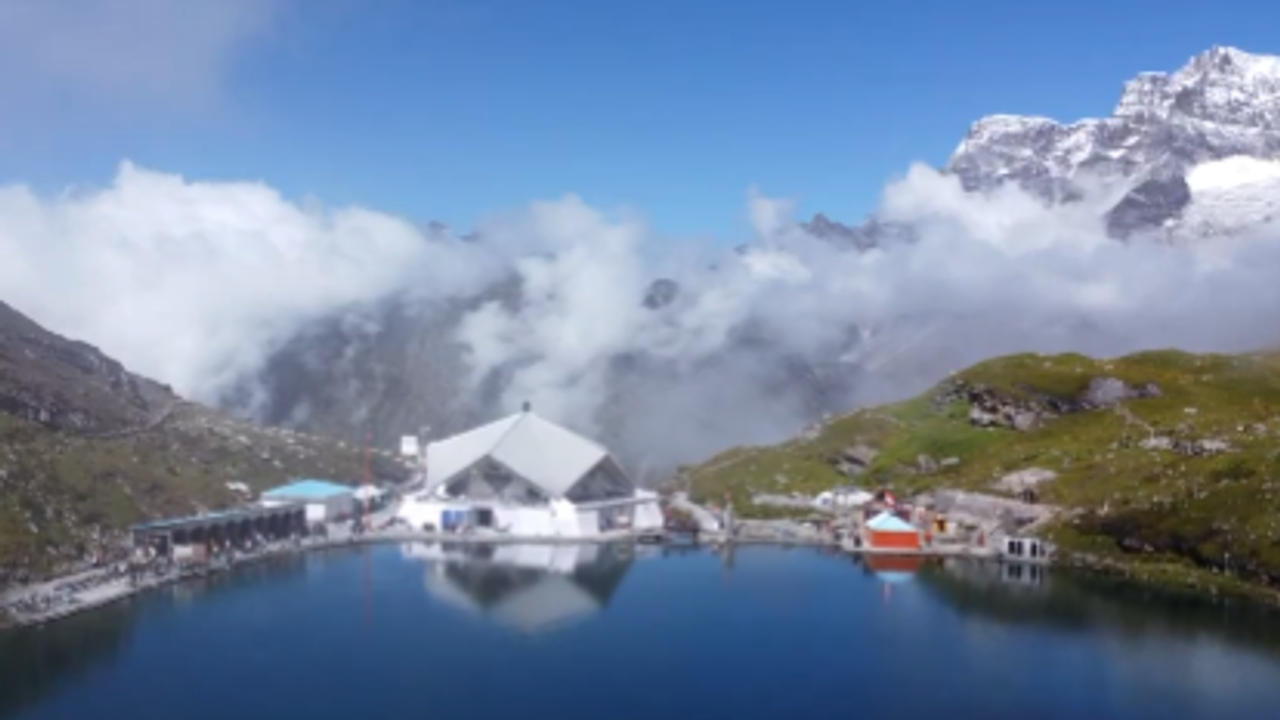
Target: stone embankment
(48, 601)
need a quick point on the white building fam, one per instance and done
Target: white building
(325, 501)
(842, 498)
(526, 477)
(1025, 549)
(370, 496)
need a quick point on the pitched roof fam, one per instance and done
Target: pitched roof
(888, 522)
(547, 455)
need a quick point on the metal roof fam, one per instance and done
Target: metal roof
(888, 522)
(211, 518)
(547, 455)
(307, 489)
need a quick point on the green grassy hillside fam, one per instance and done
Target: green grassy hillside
(87, 448)
(66, 497)
(1183, 472)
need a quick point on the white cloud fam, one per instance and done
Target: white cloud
(166, 52)
(196, 283)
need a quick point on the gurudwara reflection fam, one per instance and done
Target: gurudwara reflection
(524, 587)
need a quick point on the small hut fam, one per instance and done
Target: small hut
(888, 531)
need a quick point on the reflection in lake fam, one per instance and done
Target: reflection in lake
(1035, 596)
(742, 633)
(37, 661)
(33, 661)
(525, 587)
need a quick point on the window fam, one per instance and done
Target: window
(605, 481)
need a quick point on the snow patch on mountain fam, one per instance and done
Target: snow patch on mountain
(1230, 197)
(1232, 172)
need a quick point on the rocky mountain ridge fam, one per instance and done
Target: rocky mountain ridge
(69, 385)
(1223, 103)
(87, 448)
(1167, 163)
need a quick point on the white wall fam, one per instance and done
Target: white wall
(564, 518)
(649, 516)
(524, 521)
(426, 512)
(330, 508)
(325, 510)
(588, 523)
(559, 518)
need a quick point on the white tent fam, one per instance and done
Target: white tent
(526, 476)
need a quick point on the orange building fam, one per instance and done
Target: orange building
(888, 531)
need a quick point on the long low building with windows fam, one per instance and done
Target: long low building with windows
(183, 536)
(527, 477)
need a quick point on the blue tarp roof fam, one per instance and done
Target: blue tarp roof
(307, 488)
(888, 522)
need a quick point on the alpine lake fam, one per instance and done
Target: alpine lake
(636, 631)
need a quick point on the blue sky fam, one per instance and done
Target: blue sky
(451, 110)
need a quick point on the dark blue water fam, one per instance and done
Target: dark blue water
(392, 632)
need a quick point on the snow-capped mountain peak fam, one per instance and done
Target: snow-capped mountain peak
(1224, 102)
(1223, 85)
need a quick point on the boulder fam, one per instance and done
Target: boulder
(1025, 479)
(983, 418)
(1211, 446)
(1024, 420)
(926, 464)
(1157, 442)
(849, 469)
(1107, 391)
(859, 454)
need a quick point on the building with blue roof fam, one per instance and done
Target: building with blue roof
(888, 531)
(325, 501)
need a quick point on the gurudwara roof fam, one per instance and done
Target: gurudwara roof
(547, 455)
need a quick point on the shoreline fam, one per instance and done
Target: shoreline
(1189, 580)
(121, 588)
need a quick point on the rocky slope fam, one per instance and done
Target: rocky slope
(87, 448)
(1164, 460)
